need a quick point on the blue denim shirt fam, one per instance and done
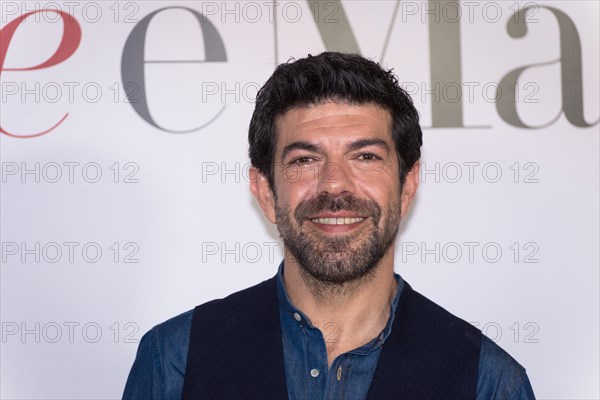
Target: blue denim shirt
(159, 366)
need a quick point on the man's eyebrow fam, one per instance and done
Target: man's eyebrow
(300, 145)
(359, 144)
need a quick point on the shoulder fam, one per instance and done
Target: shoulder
(173, 335)
(160, 362)
(174, 331)
(170, 341)
(500, 375)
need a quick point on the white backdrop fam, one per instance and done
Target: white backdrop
(115, 219)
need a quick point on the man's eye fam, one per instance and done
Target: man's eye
(302, 160)
(369, 157)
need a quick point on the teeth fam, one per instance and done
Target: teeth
(336, 221)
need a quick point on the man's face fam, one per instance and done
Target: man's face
(337, 201)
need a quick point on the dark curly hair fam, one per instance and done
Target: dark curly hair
(334, 76)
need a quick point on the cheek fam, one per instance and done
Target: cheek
(303, 177)
(381, 171)
(385, 193)
(382, 184)
(295, 187)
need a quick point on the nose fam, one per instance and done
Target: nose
(335, 178)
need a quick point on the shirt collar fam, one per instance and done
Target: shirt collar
(288, 307)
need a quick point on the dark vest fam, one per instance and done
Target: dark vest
(235, 350)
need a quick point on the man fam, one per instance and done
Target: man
(335, 147)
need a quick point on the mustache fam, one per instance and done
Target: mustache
(346, 202)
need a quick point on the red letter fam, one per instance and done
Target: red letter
(68, 44)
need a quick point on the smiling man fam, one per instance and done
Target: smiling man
(335, 147)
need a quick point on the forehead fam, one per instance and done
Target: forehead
(333, 121)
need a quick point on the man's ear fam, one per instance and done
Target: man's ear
(260, 188)
(411, 184)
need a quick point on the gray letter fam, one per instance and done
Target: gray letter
(571, 73)
(132, 63)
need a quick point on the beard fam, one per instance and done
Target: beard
(337, 263)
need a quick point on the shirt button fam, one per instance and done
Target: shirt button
(314, 372)
(381, 337)
(297, 316)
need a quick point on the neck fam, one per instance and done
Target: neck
(349, 315)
